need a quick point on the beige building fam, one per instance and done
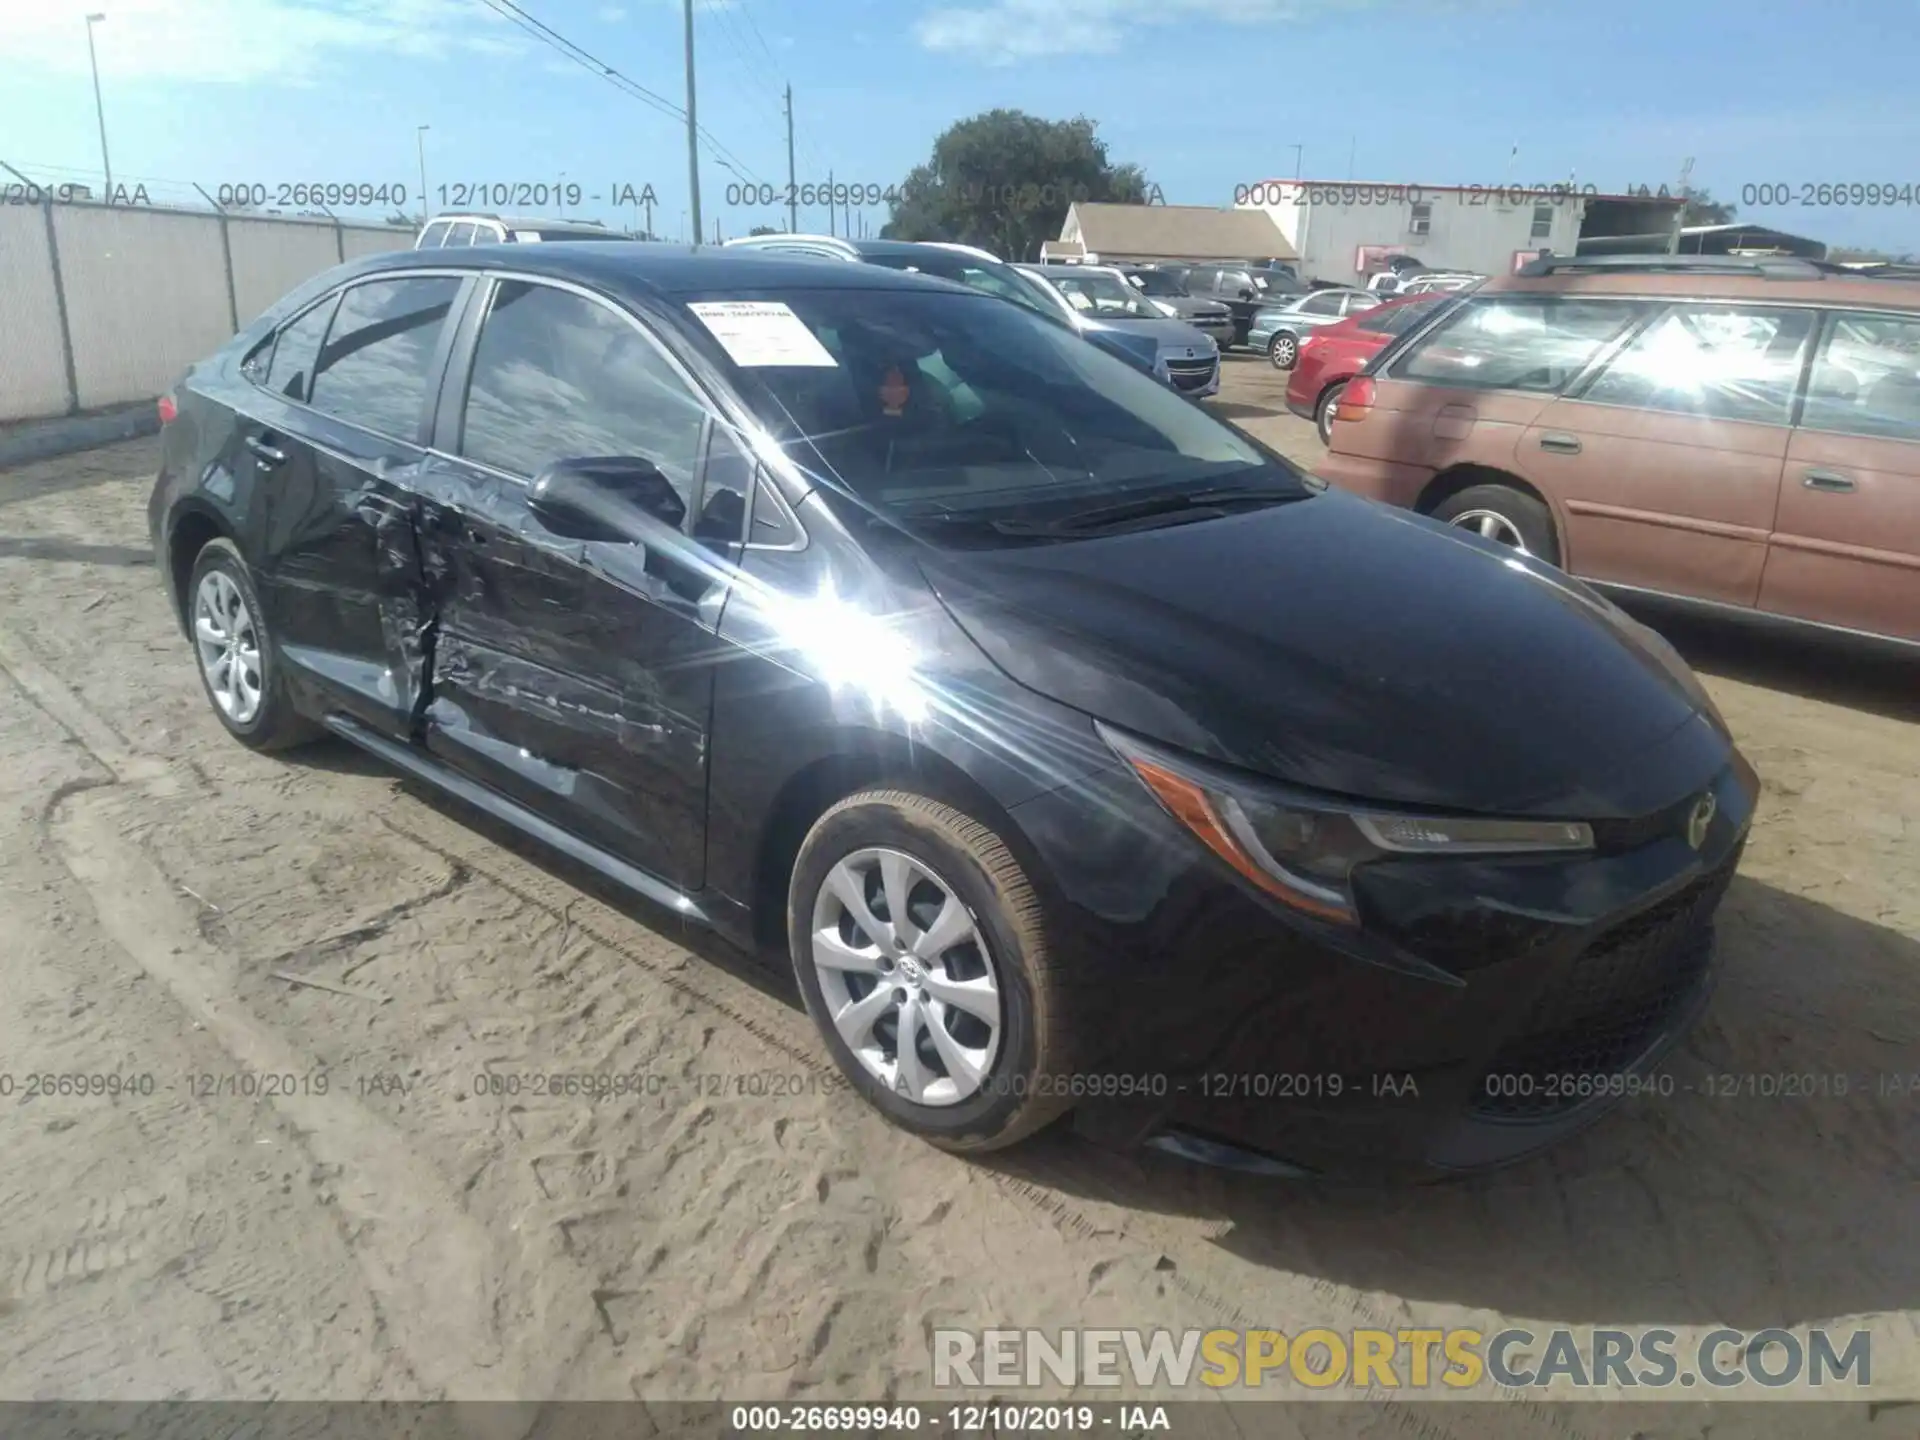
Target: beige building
(1109, 233)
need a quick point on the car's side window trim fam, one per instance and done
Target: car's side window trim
(334, 297)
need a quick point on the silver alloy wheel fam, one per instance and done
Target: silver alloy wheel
(1491, 525)
(1329, 412)
(229, 645)
(1284, 351)
(906, 976)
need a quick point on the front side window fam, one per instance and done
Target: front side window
(378, 357)
(295, 351)
(1866, 378)
(945, 411)
(1718, 362)
(557, 376)
(1325, 303)
(1515, 342)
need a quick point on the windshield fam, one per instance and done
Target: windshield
(986, 279)
(936, 408)
(1156, 282)
(1101, 294)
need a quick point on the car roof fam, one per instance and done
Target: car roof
(1705, 283)
(647, 268)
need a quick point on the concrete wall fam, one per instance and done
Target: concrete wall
(101, 305)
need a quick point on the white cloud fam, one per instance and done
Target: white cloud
(244, 41)
(1004, 31)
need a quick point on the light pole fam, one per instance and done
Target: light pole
(420, 142)
(1296, 160)
(693, 131)
(99, 109)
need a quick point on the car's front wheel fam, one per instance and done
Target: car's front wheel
(924, 956)
(1283, 350)
(1323, 413)
(238, 667)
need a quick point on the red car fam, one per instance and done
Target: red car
(1334, 354)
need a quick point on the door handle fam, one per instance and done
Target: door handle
(269, 454)
(1560, 444)
(1830, 480)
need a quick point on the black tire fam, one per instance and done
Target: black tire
(275, 725)
(1528, 516)
(1024, 1088)
(1323, 411)
(1285, 345)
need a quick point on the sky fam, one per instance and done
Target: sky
(1204, 94)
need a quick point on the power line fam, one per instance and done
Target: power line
(587, 60)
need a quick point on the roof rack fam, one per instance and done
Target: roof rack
(1782, 267)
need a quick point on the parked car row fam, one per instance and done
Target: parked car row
(1737, 435)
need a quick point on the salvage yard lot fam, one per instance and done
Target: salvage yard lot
(404, 1217)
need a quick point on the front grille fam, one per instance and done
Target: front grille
(1608, 1004)
(1191, 374)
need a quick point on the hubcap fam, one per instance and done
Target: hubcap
(1491, 525)
(1283, 351)
(229, 646)
(906, 977)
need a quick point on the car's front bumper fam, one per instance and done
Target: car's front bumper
(1238, 1036)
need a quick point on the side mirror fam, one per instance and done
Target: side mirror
(601, 498)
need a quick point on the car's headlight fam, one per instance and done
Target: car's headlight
(1302, 849)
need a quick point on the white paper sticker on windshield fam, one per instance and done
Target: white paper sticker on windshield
(762, 332)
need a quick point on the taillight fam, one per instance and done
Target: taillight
(169, 412)
(1356, 400)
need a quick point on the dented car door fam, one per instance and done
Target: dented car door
(341, 566)
(574, 675)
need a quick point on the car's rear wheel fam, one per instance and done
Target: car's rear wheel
(1505, 516)
(238, 666)
(924, 957)
(1283, 350)
(1323, 412)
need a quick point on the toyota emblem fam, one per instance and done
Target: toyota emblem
(1701, 819)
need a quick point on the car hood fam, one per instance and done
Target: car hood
(1337, 644)
(1166, 332)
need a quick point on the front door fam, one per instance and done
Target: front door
(1846, 543)
(1666, 463)
(575, 676)
(340, 569)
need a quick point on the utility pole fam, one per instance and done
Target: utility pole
(832, 228)
(693, 131)
(1680, 215)
(1296, 160)
(793, 200)
(99, 109)
(420, 140)
(650, 234)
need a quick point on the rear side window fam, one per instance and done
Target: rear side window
(1866, 378)
(557, 376)
(375, 367)
(1721, 362)
(1397, 320)
(435, 236)
(461, 234)
(1325, 303)
(1515, 342)
(296, 350)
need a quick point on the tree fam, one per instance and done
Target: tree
(1703, 209)
(763, 230)
(1003, 180)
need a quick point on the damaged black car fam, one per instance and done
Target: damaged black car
(1075, 751)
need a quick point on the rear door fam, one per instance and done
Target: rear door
(1665, 462)
(1467, 390)
(577, 676)
(339, 565)
(1845, 548)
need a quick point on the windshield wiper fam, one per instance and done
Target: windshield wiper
(1203, 504)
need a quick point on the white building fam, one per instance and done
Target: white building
(1344, 230)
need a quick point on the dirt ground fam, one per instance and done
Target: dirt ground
(176, 911)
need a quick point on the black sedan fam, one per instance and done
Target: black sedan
(1076, 752)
